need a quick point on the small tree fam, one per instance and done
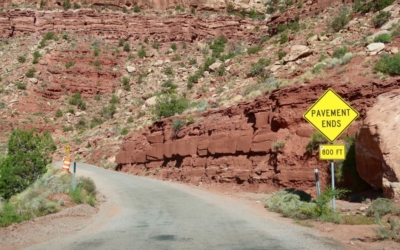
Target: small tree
(26, 160)
(127, 48)
(169, 105)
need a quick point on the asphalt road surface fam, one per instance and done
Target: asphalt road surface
(147, 214)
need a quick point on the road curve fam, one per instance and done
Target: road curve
(147, 214)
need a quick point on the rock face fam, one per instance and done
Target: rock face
(239, 144)
(377, 145)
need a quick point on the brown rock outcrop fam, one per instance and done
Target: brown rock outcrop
(236, 145)
(378, 161)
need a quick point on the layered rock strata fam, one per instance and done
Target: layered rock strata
(241, 144)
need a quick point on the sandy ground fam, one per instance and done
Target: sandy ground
(73, 219)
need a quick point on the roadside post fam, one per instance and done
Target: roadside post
(331, 116)
(317, 182)
(74, 178)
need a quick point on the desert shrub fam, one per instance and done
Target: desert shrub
(69, 64)
(96, 51)
(391, 231)
(124, 131)
(108, 111)
(77, 100)
(81, 124)
(388, 64)
(347, 58)
(316, 139)
(156, 45)
(59, 113)
(174, 47)
(21, 85)
(318, 68)
(340, 52)
(96, 121)
(97, 97)
(383, 38)
(86, 183)
(381, 18)
(142, 53)
(77, 195)
(281, 54)
(294, 26)
(281, 28)
(339, 22)
(193, 79)
(258, 68)
(21, 59)
(254, 49)
(46, 37)
(365, 6)
(136, 9)
(36, 56)
(31, 72)
(278, 145)
(218, 46)
(125, 83)
(66, 4)
(177, 124)
(169, 105)
(27, 156)
(68, 128)
(169, 87)
(76, 6)
(230, 9)
(169, 71)
(262, 86)
(284, 38)
(10, 214)
(114, 99)
(379, 207)
(127, 48)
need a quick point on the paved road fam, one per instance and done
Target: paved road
(147, 214)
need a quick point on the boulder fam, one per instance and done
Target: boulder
(374, 48)
(33, 80)
(390, 23)
(377, 147)
(215, 66)
(151, 101)
(297, 52)
(130, 69)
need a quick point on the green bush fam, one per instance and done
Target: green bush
(156, 45)
(142, 53)
(281, 54)
(254, 49)
(339, 53)
(281, 28)
(95, 122)
(86, 183)
(136, 9)
(26, 160)
(108, 111)
(127, 48)
(21, 85)
(67, 4)
(294, 26)
(69, 64)
(124, 131)
(176, 125)
(379, 207)
(169, 105)
(381, 18)
(169, 87)
(81, 124)
(174, 47)
(77, 100)
(365, 6)
(21, 59)
(218, 46)
(316, 139)
(278, 145)
(390, 232)
(31, 72)
(59, 113)
(339, 22)
(284, 38)
(36, 56)
(258, 69)
(383, 38)
(318, 68)
(10, 214)
(388, 64)
(114, 99)
(169, 71)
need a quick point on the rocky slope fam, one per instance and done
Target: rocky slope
(229, 137)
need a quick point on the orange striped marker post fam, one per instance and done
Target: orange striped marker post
(67, 163)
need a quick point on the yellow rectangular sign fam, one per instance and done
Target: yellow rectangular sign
(332, 152)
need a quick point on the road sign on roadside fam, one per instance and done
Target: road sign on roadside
(67, 150)
(332, 152)
(331, 115)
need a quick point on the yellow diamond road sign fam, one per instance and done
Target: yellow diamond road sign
(331, 115)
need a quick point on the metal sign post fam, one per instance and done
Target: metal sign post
(317, 182)
(74, 178)
(333, 184)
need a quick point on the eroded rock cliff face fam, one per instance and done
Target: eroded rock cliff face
(241, 144)
(377, 145)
